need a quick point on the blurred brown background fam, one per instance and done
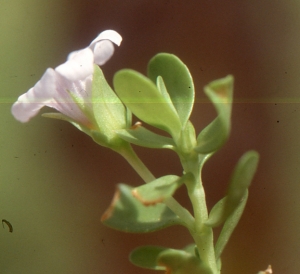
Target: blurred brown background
(55, 182)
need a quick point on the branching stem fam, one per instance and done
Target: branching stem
(136, 163)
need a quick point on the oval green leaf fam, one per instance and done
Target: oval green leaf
(127, 214)
(178, 81)
(109, 112)
(146, 257)
(145, 101)
(158, 190)
(181, 262)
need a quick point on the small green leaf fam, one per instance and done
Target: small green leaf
(181, 262)
(187, 140)
(172, 260)
(158, 190)
(109, 112)
(146, 257)
(216, 133)
(163, 90)
(143, 137)
(240, 181)
(229, 226)
(218, 213)
(242, 175)
(145, 101)
(178, 82)
(127, 214)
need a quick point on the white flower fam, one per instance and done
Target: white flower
(67, 88)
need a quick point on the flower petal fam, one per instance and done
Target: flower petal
(29, 103)
(103, 51)
(53, 90)
(80, 64)
(102, 46)
(68, 87)
(108, 35)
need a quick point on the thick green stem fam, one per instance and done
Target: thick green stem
(202, 234)
(128, 153)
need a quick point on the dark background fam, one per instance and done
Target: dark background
(55, 182)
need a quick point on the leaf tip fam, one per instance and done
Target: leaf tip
(108, 213)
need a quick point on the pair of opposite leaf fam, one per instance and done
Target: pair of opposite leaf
(165, 100)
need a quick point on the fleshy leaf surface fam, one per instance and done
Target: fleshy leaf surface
(143, 137)
(145, 101)
(187, 140)
(146, 257)
(178, 82)
(172, 260)
(229, 226)
(109, 112)
(242, 175)
(128, 214)
(212, 137)
(217, 214)
(181, 262)
(158, 190)
(163, 90)
(240, 181)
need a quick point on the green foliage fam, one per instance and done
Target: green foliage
(240, 181)
(127, 214)
(108, 111)
(158, 190)
(165, 100)
(181, 262)
(145, 101)
(187, 140)
(216, 133)
(178, 82)
(172, 260)
(229, 226)
(141, 136)
(146, 257)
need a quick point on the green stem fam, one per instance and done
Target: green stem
(130, 156)
(128, 153)
(202, 234)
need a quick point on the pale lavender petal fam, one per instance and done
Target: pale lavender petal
(111, 35)
(102, 46)
(52, 91)
(64, 102)
(103, 50)
(29, 103)
(79, 65)
(23, 110)
(58, 88)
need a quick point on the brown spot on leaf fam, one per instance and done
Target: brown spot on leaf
(107, 214)
(222, 92)
(136, 194)
(136, 125)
